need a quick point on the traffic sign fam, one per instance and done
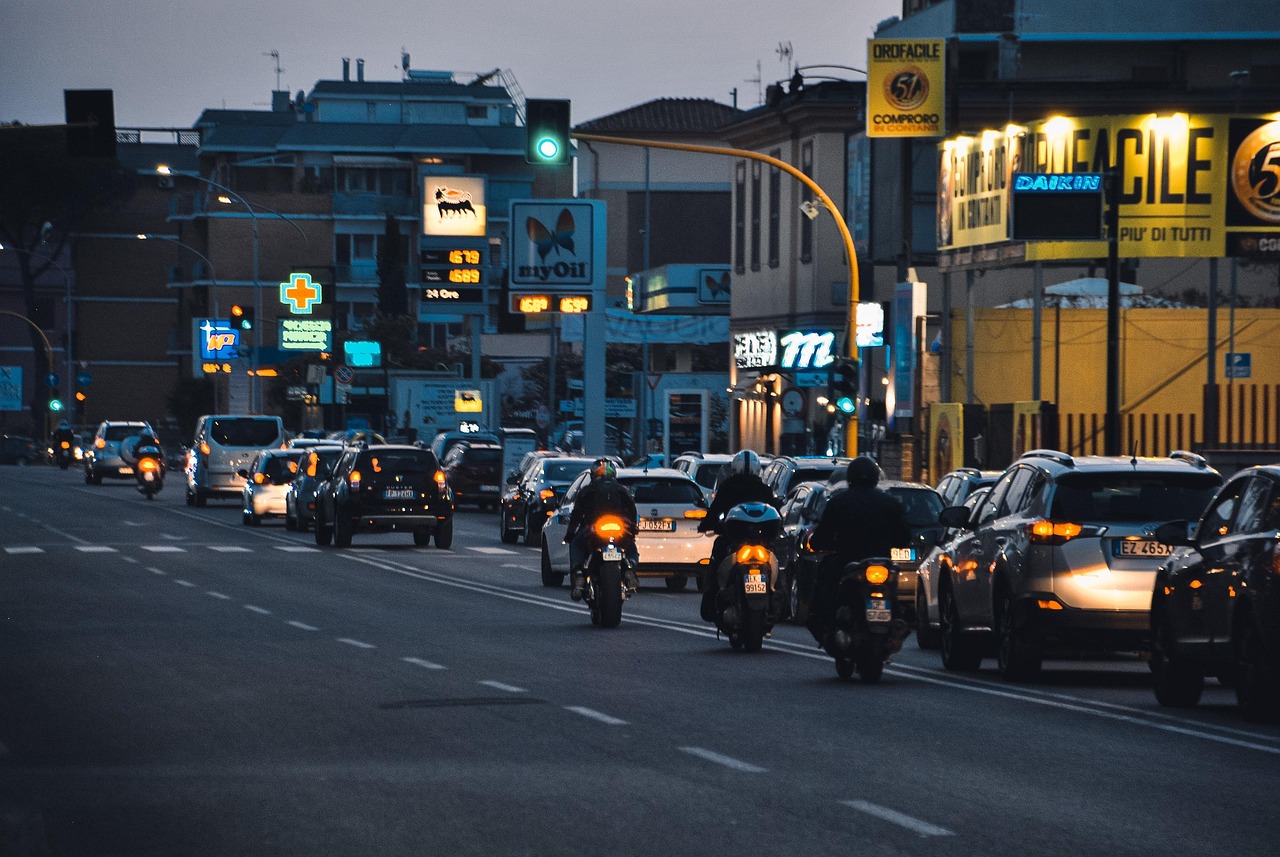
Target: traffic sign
(1239, 364)
(84, 379)
(54, 379)
(344, 374)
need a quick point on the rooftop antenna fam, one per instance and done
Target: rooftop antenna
(275, 55)
(757, 81)
(784, 55)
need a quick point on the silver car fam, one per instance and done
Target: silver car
(670, 506)
(103, 455)
(265, 484)
(300, 496)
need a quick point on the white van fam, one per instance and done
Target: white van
(223, 445)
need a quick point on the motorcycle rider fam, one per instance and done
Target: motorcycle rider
(603, 495)
(147, 445)
(63, 433)
(743, 485)
(858, 522)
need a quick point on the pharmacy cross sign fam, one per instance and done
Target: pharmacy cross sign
(300, 294)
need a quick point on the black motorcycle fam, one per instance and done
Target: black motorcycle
(63, 453)
(604, 588)
(149, 473)
(746, 603)
(869, 626)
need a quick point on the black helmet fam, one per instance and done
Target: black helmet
(863, 470)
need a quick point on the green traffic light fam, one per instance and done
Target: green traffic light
(548, 148)
(55, 404)
(845, 404)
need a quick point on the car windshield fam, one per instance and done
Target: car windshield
(280, 468)
(663, 491)
(245, 431)
(121, 432)
(922, 505)
(417, 461)
(1132, 497)
(815, 474)
(564, 471)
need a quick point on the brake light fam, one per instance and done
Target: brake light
(354, 480)
(148, 464)
(377, 468)
(99, 443)
(546, 494)
(695, 513)
(877, 574)
(440, 478)
(609, 527)
(66, 444)
(312, 461)
(204, 447)
(1053, 532)
(259, 478)
(748, 554)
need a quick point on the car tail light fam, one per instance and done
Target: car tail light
(695, 513)
(876, 574)
(259, 478)
(546, 494)
(609, 527)
(748, 554)
(1052, 532)
(441, 479)
(354, 480)
(99, 443)
(311, 465)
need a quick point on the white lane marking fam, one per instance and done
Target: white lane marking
(214, 594)
(426, 665)
(95, 549)
(497, 685)
(171, 537)
(357, 643)
(297, 549)
(727, 761)
(24, 549)
(892, 816)
(301, 626)
(155, 570)
(132, 523)
(183, 582)
(595, 715)
(253, 608)
(163, 548)
(229, 549)
(494, 551)
(512, 565)
(129, 559)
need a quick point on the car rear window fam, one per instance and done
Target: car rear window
(922, 506)
(245, 431)
(483, 455)
(707, 473)
(415, 461)
(1132, 497)
(564, 471)
(815, 474)
(121, 432)
(663, 490)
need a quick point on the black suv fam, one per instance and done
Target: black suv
(474, 471)
(1215, 609)
(535, 494)
(788, 470)
(378, 489)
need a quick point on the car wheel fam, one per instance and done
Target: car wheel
(796, 610)
(202, 499)
(927, 636)
(531, 531)
(677, 582)
(290, 522)
(960, 651)
(550, 578)
(324, 533)
(509, 537)
(422, 536)
(191, 500)
(1018, 656)
(844, 668)
(245, 516)
(1257, 678)
(444, 535)
(1176, 684)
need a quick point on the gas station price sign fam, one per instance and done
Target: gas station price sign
(550, 302)
(453, 265)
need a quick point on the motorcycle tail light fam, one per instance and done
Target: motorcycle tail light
(66, 445)
(354, 480)
(1053, 532)
(609, 527)
(877, 574)
(748, 554)
(148, 464)
(546, 494)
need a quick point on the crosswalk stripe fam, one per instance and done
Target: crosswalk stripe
(163, 548)
(23, 549)
(495, 551)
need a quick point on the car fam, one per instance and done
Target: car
(928, 634)
(670, 506)
(354, 437)
(304, 442)
(956, 486)
(385, 488)
(17, 449)
(300, 496)
(442, 441)
(265, 482)
(703, 468)
(225, 444)
(569, 438)
(786, 470)
(1215, 605)
(797, 521)
(1062, 555)
(103, 458)
(474, 471)
(535, 494)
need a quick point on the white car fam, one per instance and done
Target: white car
(705, 469)
(266, 482)
(670, 506)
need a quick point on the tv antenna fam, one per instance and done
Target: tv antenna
(757, 80)
(784, 55)
(275, 55)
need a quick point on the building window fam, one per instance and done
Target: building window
(806, 225)
(775, 211)
(477, 111)
(755, 215)
(740, 218)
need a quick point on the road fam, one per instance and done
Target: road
(175, 683)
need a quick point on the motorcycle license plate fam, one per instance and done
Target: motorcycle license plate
(902, 554)
(611, 554)
(878, 610)
(149, 476)
(753, 583)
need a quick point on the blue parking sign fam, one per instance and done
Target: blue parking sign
(1239, 364)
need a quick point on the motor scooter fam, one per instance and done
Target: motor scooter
(747, 578)
(149, 473)
(604, 586)
(869, 626)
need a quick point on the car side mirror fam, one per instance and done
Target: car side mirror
(956, 517)
(1176, 533)
(244, 474)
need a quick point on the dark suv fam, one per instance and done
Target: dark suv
(788, 470)
(535, 494)
(474, 471)
(378, 489)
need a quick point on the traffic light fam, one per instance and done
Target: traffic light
(55, 404)
(546, 125)
(242, 316)
(844, 385)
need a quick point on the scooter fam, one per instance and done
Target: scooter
(149, 473)
(63, 454)
(746, 603)
(869, 626)
(604, 588)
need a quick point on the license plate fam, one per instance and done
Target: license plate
(489, 488)
(657, 525)
(1140, 547)
(753, 583)
(397, 494)
(902, 554)
(611, 554)
(149, 476)
(878, 610)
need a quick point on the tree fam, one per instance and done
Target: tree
(393, 298)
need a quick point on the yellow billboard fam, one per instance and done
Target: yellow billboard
(906, 88)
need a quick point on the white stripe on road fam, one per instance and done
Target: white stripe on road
(229, 549)
(183, 582)
(512, 565)
(171, 537)
(892, 816)
(24, 549)
(301, 626)
(727, 761)
(357, 643)
(253, 608)
(154, 570)
(497, 685)
(210, 592)
(129, 559)
(426, 665)
(163, 548)
(494, 551)
(297, 549)
(595, 715)
(95, 549)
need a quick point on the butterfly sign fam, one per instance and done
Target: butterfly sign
(557, 243)
(713, 287)
(546, 240)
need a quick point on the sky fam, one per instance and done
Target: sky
(167, 60)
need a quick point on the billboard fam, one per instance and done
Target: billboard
(453, 206)
(906, 88)
(554, 243)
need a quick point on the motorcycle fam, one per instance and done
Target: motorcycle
(63, 454)
(747, 600)
(869, 626)
(149, 473)
(604, 588)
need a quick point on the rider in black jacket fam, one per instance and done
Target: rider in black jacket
(603, 495)
(742, 486)
(858, 522)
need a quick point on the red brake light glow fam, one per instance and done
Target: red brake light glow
(609, 527)
(877, 574)
(1052, 532)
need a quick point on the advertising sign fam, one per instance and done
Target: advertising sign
(807, 349)
(553, 243)
(11, 388)
(974, 177)
(453, 205)
(306, 334)
(216, 339)
(909, 303)
(906, 88)
(755, 350)
(299, 294)
(687, 420)
(869, 325)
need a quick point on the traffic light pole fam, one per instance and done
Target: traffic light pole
(851, 427)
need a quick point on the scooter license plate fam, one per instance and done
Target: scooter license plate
(878, 610)
(753, 583)
(149, 476)
(612, 554)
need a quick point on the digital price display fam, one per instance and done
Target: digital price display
(539, 304)
(458, 266)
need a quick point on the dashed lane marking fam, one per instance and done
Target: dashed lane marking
(297, 549)
(301, 626)
(254, 608)
(596, 715)
(154, 570)
(426, 665)
(359, 644)
(494, 551)
(497, 685)
(96, 549)
(163, 548)
(727, 761)
(186, 583)
(212, 594)
(229, 549)
(892, 816)
(18, 549)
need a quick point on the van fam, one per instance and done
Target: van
(223, 445)
(516, 443)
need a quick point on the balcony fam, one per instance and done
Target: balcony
(371, 205)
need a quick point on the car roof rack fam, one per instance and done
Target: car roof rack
(1194, 459)
(1056, 455)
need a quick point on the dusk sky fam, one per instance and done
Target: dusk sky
(168, 61)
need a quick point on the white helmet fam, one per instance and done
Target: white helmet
(745, 461)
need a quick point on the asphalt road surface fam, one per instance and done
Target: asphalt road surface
(175, 683)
